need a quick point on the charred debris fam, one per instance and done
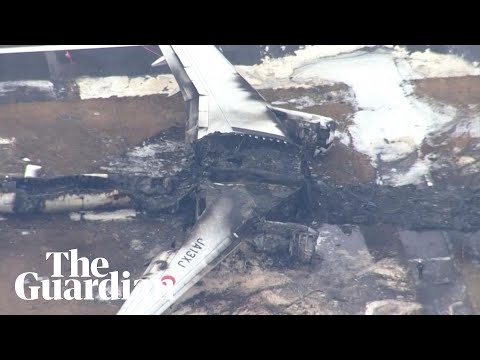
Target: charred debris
(276, 174)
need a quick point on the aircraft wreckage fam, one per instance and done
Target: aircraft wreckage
(244, 176)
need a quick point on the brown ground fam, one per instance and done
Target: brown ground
(459, 92)
(24, 242)
(75, 137)
(332, 106)
(449, 147)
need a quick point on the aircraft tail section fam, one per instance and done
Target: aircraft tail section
(171, 275)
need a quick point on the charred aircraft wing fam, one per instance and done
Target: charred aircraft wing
(219, 98)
